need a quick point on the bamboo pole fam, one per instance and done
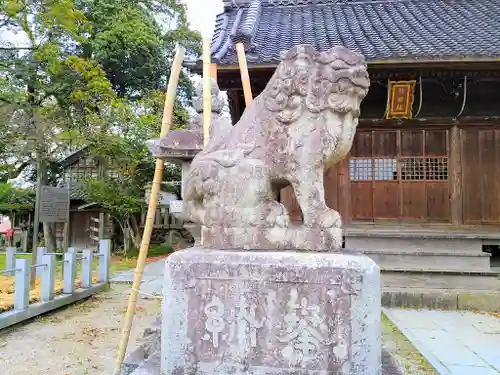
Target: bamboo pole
(207, 90)
(245, 78)
(153, 201)
(207, 95)
(213, 71)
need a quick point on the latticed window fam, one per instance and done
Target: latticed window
(404, 168)
(361, 169)
(367, 169)
(405, 156)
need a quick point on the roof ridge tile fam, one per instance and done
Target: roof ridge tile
(378, 29)
(248, 27)
(228, 4)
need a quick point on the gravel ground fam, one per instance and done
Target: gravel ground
(78, 340)
(82, 339)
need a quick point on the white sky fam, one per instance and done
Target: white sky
(201, 15)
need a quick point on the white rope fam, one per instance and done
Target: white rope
(420, 103)
(465, 97)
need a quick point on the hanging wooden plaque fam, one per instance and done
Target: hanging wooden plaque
(401, 95)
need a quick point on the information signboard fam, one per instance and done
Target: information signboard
(54, 204)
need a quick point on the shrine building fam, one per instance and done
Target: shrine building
(420, 189)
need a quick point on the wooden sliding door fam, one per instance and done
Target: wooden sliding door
(400, 175)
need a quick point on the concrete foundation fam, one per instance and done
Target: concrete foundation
(239, 312)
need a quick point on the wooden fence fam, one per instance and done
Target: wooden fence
(21, 270)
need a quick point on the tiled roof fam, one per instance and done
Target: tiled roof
(379, 29)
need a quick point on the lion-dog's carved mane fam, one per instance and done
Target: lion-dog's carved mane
(303, 122)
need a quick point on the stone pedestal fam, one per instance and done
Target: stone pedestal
(253, 313)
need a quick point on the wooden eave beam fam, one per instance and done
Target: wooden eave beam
(395, 63)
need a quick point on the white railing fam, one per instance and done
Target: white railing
(46, 265)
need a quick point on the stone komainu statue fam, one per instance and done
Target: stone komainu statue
(303, 122)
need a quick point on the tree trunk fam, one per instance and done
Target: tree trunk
(49, 237)
(126, 242)
(135, 231)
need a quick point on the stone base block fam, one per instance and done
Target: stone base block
(256, 313)
(258, 238)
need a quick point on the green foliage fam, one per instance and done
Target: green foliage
(153, 251)
(79, 58)
(37, 77)
(131, 45)
(15, 199)
(90, 73)
(115, 196)
(128, 159)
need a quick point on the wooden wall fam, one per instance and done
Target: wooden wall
(437, 174)
(80, 222)
(480, 149)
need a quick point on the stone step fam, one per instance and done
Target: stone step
(416, 298)
(488, 281)
(442, 290)
(430, 260)
(413, 243)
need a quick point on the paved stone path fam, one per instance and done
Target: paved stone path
(454, 342)
(152, 280)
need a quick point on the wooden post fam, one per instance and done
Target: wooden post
(153, 201)
(101, 170)
(40, 167)
(67, 226)
(456, 177)
(245, 78)
(24, 241)
(213, 72)
(234, 104)
(207, 94)
(345, 191)
(207, 91)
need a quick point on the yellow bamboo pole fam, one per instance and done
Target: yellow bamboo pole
(245, 78)
(153, 201)
(213, 71)
(207, 94)
(207, 90)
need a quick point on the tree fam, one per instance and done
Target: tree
(87, 73)
(135, 50)
(130, 166)
(45, 84)
(15, 199)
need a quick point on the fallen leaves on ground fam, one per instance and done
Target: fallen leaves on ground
(7, 282)
(494, 314)
(7, 291)
(154, 259)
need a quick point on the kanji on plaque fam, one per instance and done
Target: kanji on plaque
(241, 327)
(401, 95)
(214, 324)
(305, 331)
(247, 323)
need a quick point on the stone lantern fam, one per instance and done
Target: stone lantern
(182, 145)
